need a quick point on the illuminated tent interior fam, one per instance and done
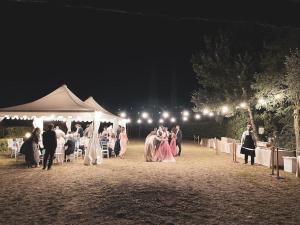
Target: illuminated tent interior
(63, 105)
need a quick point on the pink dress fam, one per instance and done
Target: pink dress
(123, 143)
(164, 154)
(173, 144)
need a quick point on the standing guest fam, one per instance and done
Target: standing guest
(86, 131)
(79, 130)
(35, 146)
(117, 144)
(70, 146)
(50, 144)
(111, 143)
(31, 148)
(163, 154)
(178, 139)
(59, 132)
(123, 142)
(60, 146)
(248, 141)
(173, 141)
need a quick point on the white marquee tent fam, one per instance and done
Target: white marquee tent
(63, 105)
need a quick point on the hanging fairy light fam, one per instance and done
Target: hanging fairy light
(211, 114)
(165, 115)
(123, 114)
(173, 120)
(197, 116)
(225, 109)
(139, 121)
(145, 115)
(185, 113)
(184, 118)
(128, 120)
(161, 121)
(150, 121)
(205, 111)
(243, 105)
(27, 135)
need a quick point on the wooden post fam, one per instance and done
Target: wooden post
(234, 153)
(272, 159)
(277, 163)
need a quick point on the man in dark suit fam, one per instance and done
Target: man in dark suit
(79, 130)
(178, 138)
(50, 144)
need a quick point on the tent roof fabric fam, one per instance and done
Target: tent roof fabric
(60, 100)
(95, 105)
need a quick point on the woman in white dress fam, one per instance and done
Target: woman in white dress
(35, 146)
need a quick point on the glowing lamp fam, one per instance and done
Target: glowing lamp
(165, 115)
(161, 121)
(173, 120)
(27, 135)
(150, 121)
(197, 116)
(145, 115)
(123, 114)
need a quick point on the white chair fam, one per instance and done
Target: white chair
(104, 148)
(78, 151)
(12, 146)
(59, 157)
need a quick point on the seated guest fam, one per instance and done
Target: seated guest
(70, 146)
(79, 130)
(111, 143)
(60, 148)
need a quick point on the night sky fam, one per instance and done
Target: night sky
(138, 56)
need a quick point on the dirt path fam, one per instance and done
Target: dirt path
(200, 188)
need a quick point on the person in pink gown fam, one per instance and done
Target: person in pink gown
(173, 143)
(123, 142)
(164, 154)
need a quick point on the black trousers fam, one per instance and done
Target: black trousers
(179, 146)
(246, 158)
(49, 154)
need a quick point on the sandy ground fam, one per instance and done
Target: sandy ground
(200, 188)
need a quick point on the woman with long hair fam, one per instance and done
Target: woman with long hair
(123, 142)
(35, 146)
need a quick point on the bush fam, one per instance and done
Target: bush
(3, 145)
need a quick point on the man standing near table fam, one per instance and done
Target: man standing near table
(248, 142)
(178, 139)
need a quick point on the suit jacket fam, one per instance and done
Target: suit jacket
(179, 136)
(49, 140)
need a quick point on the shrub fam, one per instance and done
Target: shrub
(3, 145)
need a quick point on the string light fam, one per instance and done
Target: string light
(224, 109)
(262, 101)
(123, 114)
(145, 115)
(243, 105)
(173, 120)
(211, 114)
(150, 121)
(165, 115)
(185, 113)
(185, 118)
(139, 121)
(197, 116)
(161, 121)
(205, 111)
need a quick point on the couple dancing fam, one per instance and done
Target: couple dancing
(159, 149)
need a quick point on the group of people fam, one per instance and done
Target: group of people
(161, 145)
(116, 143)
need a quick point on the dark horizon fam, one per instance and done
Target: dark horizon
(124, 60)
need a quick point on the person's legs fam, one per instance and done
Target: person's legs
(109, 152)
(51, 155)
(46, 156)
(246, 157)
(179, 146)
(252, 159)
